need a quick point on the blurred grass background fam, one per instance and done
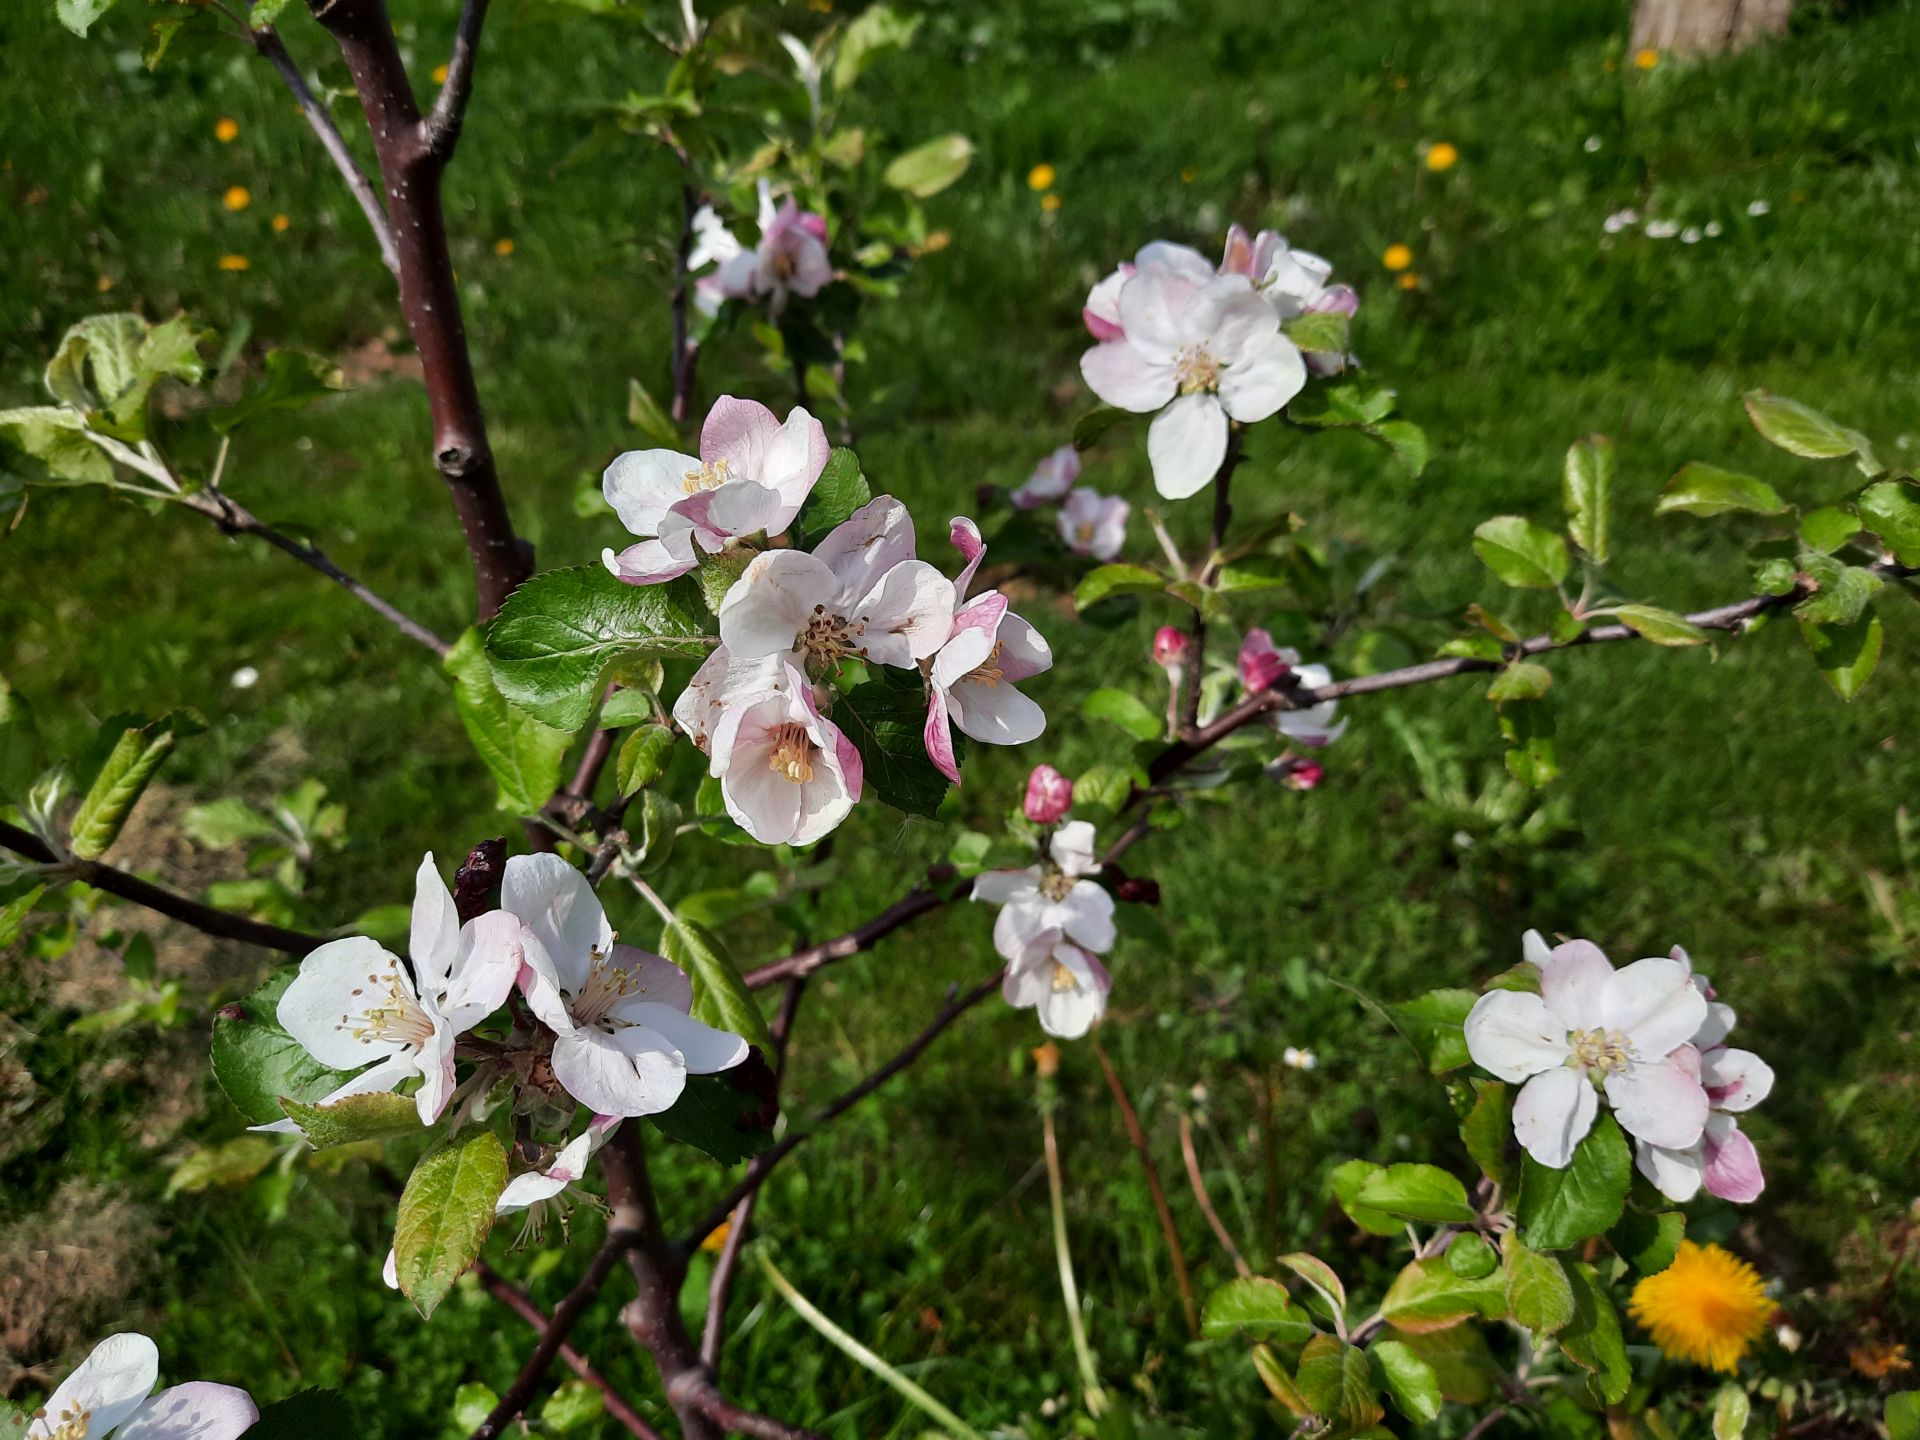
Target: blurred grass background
(1727, 803)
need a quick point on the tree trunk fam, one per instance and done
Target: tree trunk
(1706, 27)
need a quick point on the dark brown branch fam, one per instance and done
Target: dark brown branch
(273, 49)
(764, 1162)
(686, 352)
(205, 918)
(412, 170)
(442, 125)
(804, 962)
(519, 1302)
(1139, 1140)
(236, 519)
(623, 1230)
(1216, 540)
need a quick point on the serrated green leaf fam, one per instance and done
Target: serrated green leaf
(876, 30)
(445, 1213)
(840, 490)
(1416, 1192)
(1799, 429)
(1337, 1382)
(1128, 712)
(1892, 511)
(1662, 627)
(1274, 1374)
(885, 717)
(720, 998)
(1487, 1130)
(1470, 1256)
(357, 1118)
(1522, 680)
(1903, 1415)
(136, 755)
(292, 380)
(715, 1115)
(1111, 580)
(1409, 1379)
(931, 167)
(256, 1061)
(1317, 1273)
(1586, 492)
(226, 1165)
(1428, 1296)
(1841, 592)
(1321, 333)
(1408, 442)
(1592, 1338)
(1648, 1242)
(1707, 490)
(559, 633)
(1846, 654)
(643, 758)
(1521, 553)
(1539, 1295)
(1558, 1208)
(1825, 530)
(522, 753)
(1346, 1182)
(1257, 1307)
(1465, 1369)
(1434, 1023)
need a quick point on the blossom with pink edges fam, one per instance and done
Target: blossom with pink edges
(1094, 524)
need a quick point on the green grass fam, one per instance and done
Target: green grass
(1728, 804)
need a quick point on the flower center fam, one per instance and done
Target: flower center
(393, 1015)
(1063, 978)
(606, 983)
(783, 265)
(1600, 1052)
(792, 754)
(1084, 532)
(71, 1423)
(1056, 884)
(830, 638)
(988, 671)
(1196, 369)
(710, 476)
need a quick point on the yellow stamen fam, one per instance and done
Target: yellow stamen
(792, 754)
(710, 476)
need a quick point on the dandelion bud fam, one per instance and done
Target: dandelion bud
(1169, 647)
(1049, 793)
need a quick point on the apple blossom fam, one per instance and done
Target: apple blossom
(1201, 352)
(970, 684)
(353, 1002)
(1263, 665)
(624, 1040)
(1723, 1161)
(111, 1393)
(1625, 1031)
(790, 258)
(1094, 524)
(1052, 478)
(720, 679)
(1294, 282)
(1053, 895)
(860, 593)
(753, 474)
(1169, 647)
(787, 774)
(1049, 795)
(1298, 774)
(1063, 983)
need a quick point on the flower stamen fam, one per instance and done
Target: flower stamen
(1196, 370)
(397, 1017)
(792, 758)
(710, 476)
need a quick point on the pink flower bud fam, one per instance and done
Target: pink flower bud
(1049, 793)
(1305, 774)
(1261, 665)
(1169, 647)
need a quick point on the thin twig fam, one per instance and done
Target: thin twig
(522, 1305)
(441, 128)
(204, 918)
(1188, 1153)
(1138, 1138)
(804, 962)
(1216, 541)
(1485, 1423)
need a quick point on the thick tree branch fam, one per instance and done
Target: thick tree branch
(442, 125)
(412, 170)
(205, 918)
(273, 49)
(522, 1305)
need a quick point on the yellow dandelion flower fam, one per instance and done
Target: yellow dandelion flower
(439, 74)
(717, 1237)
(1040, 177)
(280, 224)
(238, 197)
(1708, 1307)
(1645, 59)
(1049, 203)
(1442, 156)
(226, 130)
(234, 262)
(1408, 281)
(503, 246)
(1397, 257)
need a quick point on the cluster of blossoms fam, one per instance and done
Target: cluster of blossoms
(612, 1028)
(1054, 921)
(111, 1393)
(1202, 345)
(1090, 523)
(758, 707)
(1650, 1040)
(789, 259)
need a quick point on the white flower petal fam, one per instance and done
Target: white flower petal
(1268, 374)
(1676, 1174)
(704, 1049)
(1661, 1104)
(596, 1070)
(1573, 982)
(198, 1410)
(1553, 1113)
(110, 1384)
(770, 604)
(1072, 848)
(1121, 376)
(1514, 1035)
(1735, 1080)
(642, 485)
(1655, 1004)
(330, 996)
(1185, 445)
(907, 615)
(555, 902)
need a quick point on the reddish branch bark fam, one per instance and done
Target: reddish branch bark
(413, 152)
(1139, 1140)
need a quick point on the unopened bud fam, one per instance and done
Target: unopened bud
(1138, 890)
(1262, 664)
(1046, 1059)
(1169, 647)
(1049, 793)
(1304, 774)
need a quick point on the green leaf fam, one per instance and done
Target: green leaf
(136, 755)
(1088, 429)
(56, 438)
(1846, 654)
(716, 574)
(1841, 591)
(929, 168)
(266, 12)
(643, 758)
(557, 635)
(1533, 756)
(1434, 1023)
(1731, 1409)
(256, 1061)
(1417, 1192)
(107, 366)
(573, 1405)
(1522, 554)
(1707, 490)
(1800, 429)
(877, 29)
(1323, 333)
(840, 490)
(1335, 1379)
(226, 822)
(1273, 1373)
(77, 15)
(1592, 1337)
(14, 913)
(1825, 530)
(1522, 680)
(625, 706)
(1488, 1129)
(445, 1214)
(1892, 511)
(1903, 1415)
(1470, 1256)
(1317, 1273)
(1539, 1295)
(308, 1415)
(723, 1118)
(1258, 1307)
(224, 1166)
(1346, 1182)
(1128, 712)
(1648, 1242)
(1111, 580)
(1586, 490)
(1407, 441)
(375, 1116)
(886, 718)
(522, 754)
(645, 414)
(1428, 1296)
(1409, 1379)
(293, 380)
(1662, 627)
(1473, 647)
(472, 1403)
(1461, 1363)
(720, 998)
(1559, 1208)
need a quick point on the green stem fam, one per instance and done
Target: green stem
(1083, 1353)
